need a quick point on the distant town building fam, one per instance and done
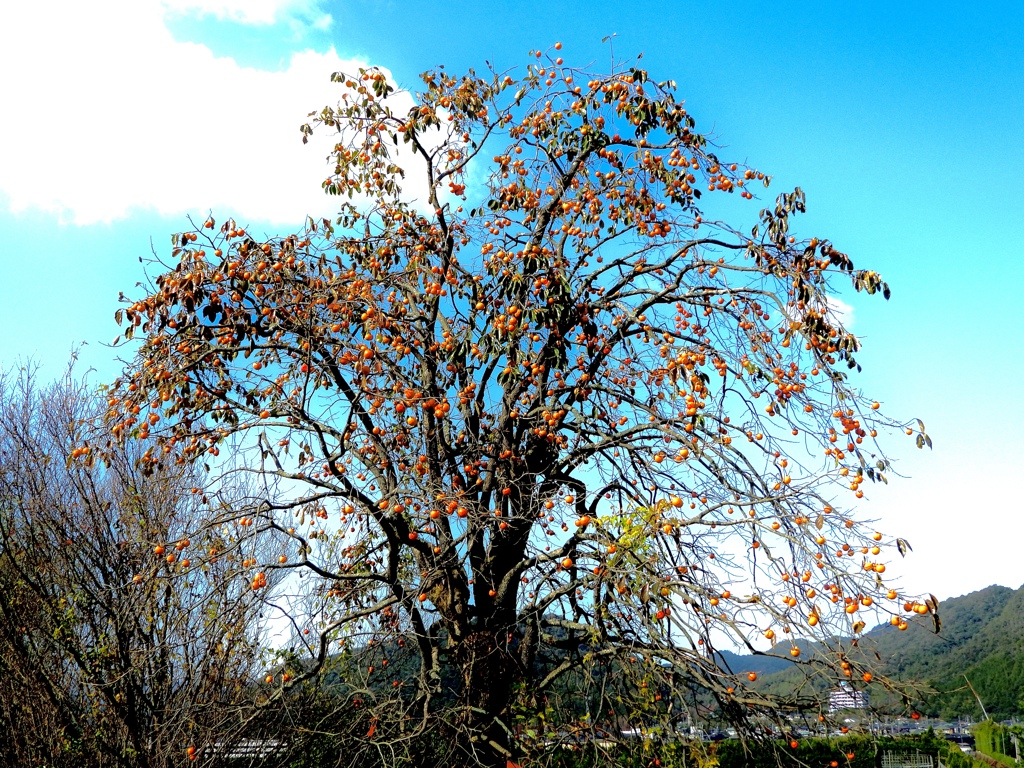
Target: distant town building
(845, 697)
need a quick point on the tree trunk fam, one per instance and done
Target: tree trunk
(489, 673)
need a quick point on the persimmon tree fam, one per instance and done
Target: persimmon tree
(530, 407)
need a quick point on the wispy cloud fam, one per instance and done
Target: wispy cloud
(841, 310)
(248, 11)
(323, 22)
(105, 112)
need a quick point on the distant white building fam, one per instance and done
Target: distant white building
(845, 697)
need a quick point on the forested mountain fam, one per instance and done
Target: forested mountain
(982, 637)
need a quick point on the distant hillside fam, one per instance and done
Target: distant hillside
(982, 636)
(762, 664)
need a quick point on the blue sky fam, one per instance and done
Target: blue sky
(901, 121)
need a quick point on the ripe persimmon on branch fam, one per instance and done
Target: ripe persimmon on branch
(550, 418)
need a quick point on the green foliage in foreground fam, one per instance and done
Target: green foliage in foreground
(954, 758)
(994, 740)
(854, 751)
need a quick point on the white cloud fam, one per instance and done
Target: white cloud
(105, 112)
(244, 11)
(842, 310)
(323, 22)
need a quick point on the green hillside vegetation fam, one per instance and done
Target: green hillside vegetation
(982, 636)
(762, 664)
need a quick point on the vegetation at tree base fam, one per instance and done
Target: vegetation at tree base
(555, 403)
(853, 751)
(850, 752)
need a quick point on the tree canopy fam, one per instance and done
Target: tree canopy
(530, 406)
